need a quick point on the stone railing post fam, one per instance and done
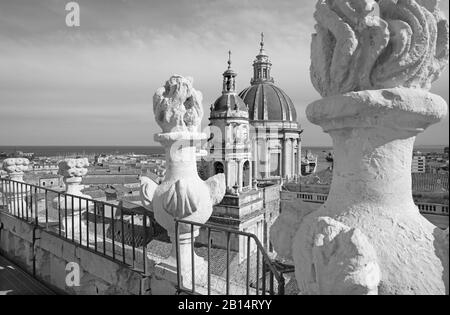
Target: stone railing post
(182, 194)
(73, 208)
(16, 193)
(374, 73)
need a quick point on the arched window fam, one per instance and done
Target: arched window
(246, 174)
(218, 168)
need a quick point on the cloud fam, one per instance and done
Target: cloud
(94, 85)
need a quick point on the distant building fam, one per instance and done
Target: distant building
(50, 181)
(430, 193)
(419, 164)
(101, 159)
(42, 167)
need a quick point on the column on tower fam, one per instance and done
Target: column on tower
(299, 157)
(255, 156)
(267, 157)
(285, 158)
(240, 179)
(293, 157)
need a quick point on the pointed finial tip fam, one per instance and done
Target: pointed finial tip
(229, 59)
(262, 41)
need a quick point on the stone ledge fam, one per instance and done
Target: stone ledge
(399, 108)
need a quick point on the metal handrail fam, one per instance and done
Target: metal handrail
(21, 201)
(266, 260)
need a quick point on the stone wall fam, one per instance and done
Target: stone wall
(98, 275)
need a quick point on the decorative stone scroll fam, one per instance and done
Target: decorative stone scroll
(367, 45)
(16, 167)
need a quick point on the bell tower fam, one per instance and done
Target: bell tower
(229, 145)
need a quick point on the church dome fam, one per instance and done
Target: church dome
(268, 102)
(229, 101)
(265, 100)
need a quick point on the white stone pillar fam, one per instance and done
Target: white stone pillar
(369, 237)
(72, 206)
(15, 192)
(182, 194)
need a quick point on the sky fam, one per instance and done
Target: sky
(94, 84)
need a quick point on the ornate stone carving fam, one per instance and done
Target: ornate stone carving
(182, 194)
(365, 45)
(16, 167)
(16, 195)
(369, 237)
(343, 261)
(71, 207)
(73, 171)
(178, 106)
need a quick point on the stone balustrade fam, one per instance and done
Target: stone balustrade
(16, 194)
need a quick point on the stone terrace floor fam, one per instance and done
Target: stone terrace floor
(15, 281)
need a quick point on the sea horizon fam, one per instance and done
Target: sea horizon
(55, 150)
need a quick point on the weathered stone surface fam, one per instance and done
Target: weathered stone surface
(148, 188)
(343, 261)
(286, 226)
(182, 194)
(373, 135)
(374, 61)
(73, 167)
(368, 44)
(15, 167)
(217, 188)
(178, 106)
(71, 207)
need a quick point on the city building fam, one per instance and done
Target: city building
(419, 163)
(51, 181)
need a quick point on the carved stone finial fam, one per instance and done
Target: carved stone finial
(182, 194)
(373, 61)
(178, 106)
(74, 204)
(354, 49)
(16, 167)
(15, 196)
(70, 168)
(72, 171)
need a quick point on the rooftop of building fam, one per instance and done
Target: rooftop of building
(421, 182)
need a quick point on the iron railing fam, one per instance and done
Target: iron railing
(104, 228)
(264, 268)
